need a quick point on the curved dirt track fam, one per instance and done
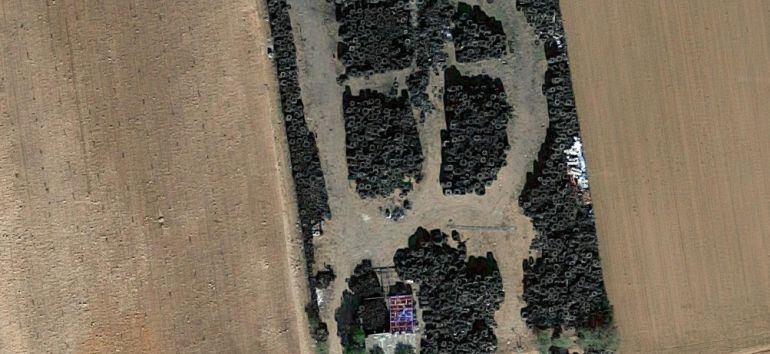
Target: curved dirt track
(142, 203)
(672, 97)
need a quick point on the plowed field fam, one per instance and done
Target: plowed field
(673, 101)
(141, 202)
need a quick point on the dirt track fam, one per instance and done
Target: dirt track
(672, 97)
(141, 200)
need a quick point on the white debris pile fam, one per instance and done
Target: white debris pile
(577, 164)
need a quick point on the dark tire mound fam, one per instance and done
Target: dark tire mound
(458, 295)
(475, 143)
(563, 287)
(476, 35)
(375, 36)
(383, 145)
(309, 183)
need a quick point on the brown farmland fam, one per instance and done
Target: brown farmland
(141, 204)
(673, 101)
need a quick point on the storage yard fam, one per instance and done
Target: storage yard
(141, 188)
(672, 97)
(482, 120)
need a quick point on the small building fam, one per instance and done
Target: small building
(402, 318)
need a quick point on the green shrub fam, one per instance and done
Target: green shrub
(357, 343)
(322, 348)
(604, 338)
(402, 348)
(562, 342)
(544, 341)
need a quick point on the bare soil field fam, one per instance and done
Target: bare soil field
(143, 207)
(672, 97)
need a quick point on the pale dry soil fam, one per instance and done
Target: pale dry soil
(672, 97)
(141, 194)
(358, 230)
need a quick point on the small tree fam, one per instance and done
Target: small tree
(562, 342)
(357, 343)
(603, 338)
(544, 341)
(403, 348)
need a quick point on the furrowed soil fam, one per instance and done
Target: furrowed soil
(143, 207)
(672, 98)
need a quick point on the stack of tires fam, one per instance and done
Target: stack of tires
(309, 183)
(475, 143)
(563, 287)
(383, 146)
(476, 35)
(458, 295)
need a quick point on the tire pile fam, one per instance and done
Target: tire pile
(324, 278)
(417, 83)
(383, 146)
(363, 308)
(475, 143)
(432, 31)
(458, 297)
(309, 183)
(375, 36)
(434, 28)
(476, 35)
(563, 287)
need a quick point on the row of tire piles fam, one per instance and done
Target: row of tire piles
(380, 36)
(309, 183)
(458, 296)
(563, 287)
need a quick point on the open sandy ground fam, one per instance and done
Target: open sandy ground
(673, 101)
(141, 205)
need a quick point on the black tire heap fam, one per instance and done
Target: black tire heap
(363, 308)
(432, 31)
(476, 35)
(563, 287)
(475, 143)
(383, 145)
(324, 278)
(309, 183)
(375, 36)
(458, 297)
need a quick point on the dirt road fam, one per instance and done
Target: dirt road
(672, 97)
(142, 204)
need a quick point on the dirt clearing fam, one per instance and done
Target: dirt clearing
(142, 204)
(672, 97)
